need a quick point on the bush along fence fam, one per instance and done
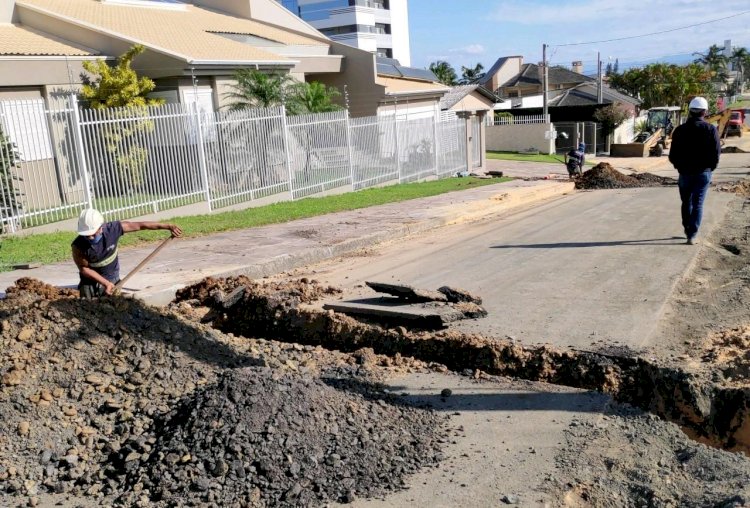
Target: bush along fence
(137, 161)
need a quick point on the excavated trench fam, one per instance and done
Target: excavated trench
(708, 412)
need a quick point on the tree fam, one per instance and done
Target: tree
(715, 61)
(121, 87)
(118, 86)
(664, 84)
(470, 75)
(444, 72)
(611, 116)
(739, 58)
(616, 68)
(256, 89)
(312, 97)
(609, 69)
(9, 192)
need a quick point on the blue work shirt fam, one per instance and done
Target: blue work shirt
(102, 256)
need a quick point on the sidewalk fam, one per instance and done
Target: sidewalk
(267, 250)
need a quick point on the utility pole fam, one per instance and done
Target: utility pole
(545, 81)
(599, 85)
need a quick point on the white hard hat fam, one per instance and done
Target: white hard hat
(89, 222)
(699, 103)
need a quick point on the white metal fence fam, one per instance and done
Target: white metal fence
(131, 162)
(517, 119)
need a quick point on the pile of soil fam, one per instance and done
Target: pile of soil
(604, 176)
(732, 149)
(729, 351)
(633, 459)
(286, 440)
(741, 188)
(293, 292)
(85, 385)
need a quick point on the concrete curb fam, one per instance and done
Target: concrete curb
(496, 204)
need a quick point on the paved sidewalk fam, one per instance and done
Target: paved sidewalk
(267, 250)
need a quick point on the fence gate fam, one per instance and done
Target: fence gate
(476, 142)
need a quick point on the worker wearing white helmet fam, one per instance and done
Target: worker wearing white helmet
(95, 250)
(694, 153)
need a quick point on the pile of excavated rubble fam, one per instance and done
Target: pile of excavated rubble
(120, 403)
(604, 176)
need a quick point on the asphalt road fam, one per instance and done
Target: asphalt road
(587, 269)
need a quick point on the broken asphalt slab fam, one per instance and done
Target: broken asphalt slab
(262, 251)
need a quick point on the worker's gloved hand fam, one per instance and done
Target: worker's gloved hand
(176, 231)
(109, 289)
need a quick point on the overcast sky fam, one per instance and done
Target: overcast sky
(465, 32)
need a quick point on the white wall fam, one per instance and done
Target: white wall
(517, 138)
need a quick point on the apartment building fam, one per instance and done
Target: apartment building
(378, 26)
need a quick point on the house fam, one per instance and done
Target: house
(192, 50)
(474, 103)
(509, 77)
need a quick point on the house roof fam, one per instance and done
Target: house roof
(496, 67)
(585, 94)
(400, 86)
(457, 93)
(530, 75)
(185, 33)
(24, 41)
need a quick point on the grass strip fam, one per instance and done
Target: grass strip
(48, 248)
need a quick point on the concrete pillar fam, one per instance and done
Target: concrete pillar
(469, 141)
(483, 137)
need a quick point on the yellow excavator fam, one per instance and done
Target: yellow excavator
(721, 121)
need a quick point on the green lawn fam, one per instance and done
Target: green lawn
(53, 247)
(745, 103)
(515, 156)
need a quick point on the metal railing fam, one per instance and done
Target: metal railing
(518, 119)
(137, 161)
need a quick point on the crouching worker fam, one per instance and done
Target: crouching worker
(575, 159)
(95, 250)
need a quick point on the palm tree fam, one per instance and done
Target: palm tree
(470, 75)
(444, 72)
(312, 97)
(715, 61)
(255, 89)
(739, 58)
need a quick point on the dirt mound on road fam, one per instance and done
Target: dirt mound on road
(84, 386)
(604, 176)
(741, 188)
(286, 440)
(729, 351)
(39, 289)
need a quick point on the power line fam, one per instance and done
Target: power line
(653, 33)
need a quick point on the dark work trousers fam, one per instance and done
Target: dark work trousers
(693, 190)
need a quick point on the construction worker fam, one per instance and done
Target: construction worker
(575, 159)
(694, 153)
(95, 250)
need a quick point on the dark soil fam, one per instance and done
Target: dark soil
(604, 176)
(85, 387)
(286, 440)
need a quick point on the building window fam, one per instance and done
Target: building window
(513, 93)
(348, 29)
(384, 52)
(382, 28)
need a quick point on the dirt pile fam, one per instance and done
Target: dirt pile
(741, 188)
(84, 385)
(633, 459)
(604, 176)
(286, 440)
(729, 351)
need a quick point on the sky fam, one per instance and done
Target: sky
(467, 32)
